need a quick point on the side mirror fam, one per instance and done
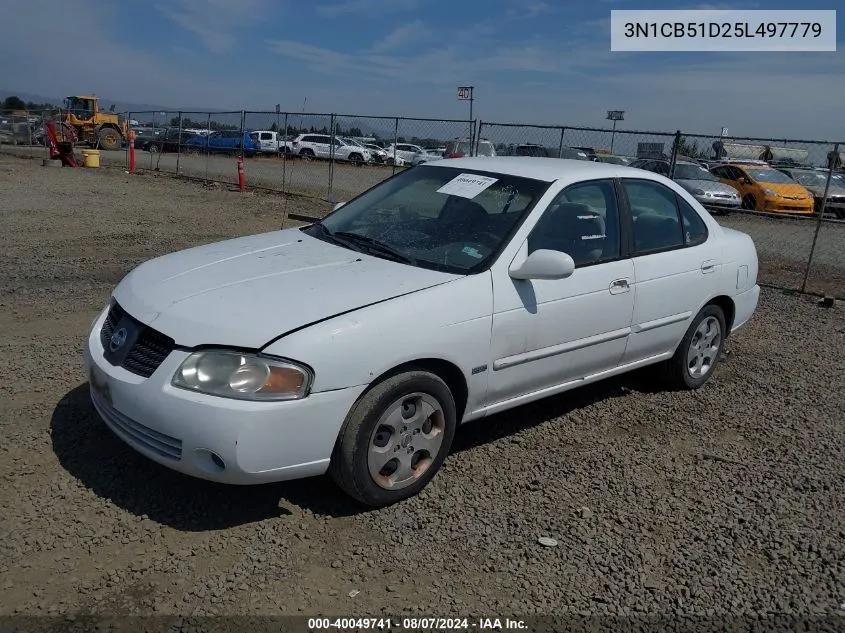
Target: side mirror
(746, 180)
(338, 205)
(544, 264)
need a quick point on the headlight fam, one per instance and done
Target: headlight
(698, 192)
(773, 194)
(243, 376)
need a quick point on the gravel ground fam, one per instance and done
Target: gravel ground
(721, 502)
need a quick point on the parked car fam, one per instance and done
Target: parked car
(404, 151)
(232, 141)
(459, 148)
(531, 149)
(171, 141)
(589, 151)
(703, 185)
(271, 142)
(316, 349)
(325, 147)
(815, 182)
(614, 159)
(763, 188)
(426, 156)
(378, 153)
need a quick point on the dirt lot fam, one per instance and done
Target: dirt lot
(728, 500)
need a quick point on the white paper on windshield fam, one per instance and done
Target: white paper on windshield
(466, 185)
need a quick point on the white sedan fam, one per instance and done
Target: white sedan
(455, 290)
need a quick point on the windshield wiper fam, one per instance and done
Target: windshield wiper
(328, 234)
(374, 246)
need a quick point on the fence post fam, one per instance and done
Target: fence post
(285, 155)
(129, 127)
(331, 157)
(179, 143)
(830, 164)
(674, 158)
(560, 145)
(395, 140)
(478, 137)
(207, 147)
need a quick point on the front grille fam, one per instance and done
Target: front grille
(133, 432)
(148, 352)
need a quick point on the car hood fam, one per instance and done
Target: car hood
(706, 185)
(247, 291)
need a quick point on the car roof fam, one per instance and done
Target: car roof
(546, 169)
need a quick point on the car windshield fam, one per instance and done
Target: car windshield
(692, 172)
(812, 178)
(616, 160)
(442, 218)
(769, 175)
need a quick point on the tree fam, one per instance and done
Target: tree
(355, 131)
(13, 103)
(685, 148)
(274, 128)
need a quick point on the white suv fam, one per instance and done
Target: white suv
(320, 146)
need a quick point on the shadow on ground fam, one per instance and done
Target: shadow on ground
(91, 453)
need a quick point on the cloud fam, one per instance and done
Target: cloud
(402, 36)
(212, 20)
(368, 7)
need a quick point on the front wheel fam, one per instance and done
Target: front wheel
(395, 438)
(698, 354)
(749, 203)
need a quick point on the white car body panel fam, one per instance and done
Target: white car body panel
(352, 317)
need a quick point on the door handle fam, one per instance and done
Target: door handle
(708, 266)
(619, 286)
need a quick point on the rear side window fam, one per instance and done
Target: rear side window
(266, 136)
(654, 211)
(695, 230)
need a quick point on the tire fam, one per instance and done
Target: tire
(153, 149)
(307, 153)
(370, 427)
(356, 159)
(110, 139)
(687, 373)
(749, 203)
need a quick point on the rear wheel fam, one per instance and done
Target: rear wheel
(307, 153)
(153, 149)
(395, 438)
(109, 138)
(698, 354)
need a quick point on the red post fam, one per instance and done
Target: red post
(132, 152)
(241, 173)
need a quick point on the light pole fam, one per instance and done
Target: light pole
(465, 94)
(614, 115)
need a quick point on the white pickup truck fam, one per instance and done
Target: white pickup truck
(271, 142)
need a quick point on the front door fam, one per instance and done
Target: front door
(549, 332)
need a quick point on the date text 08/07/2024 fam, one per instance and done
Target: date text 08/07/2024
(723, 29)
(416, 624)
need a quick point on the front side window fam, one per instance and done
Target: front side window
(654, 211)
(583, 222)
(441, 218)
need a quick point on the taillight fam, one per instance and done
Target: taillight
(455, 156)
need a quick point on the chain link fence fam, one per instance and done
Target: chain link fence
(789, 195)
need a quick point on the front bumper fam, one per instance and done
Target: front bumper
(256, 442)
(718, 203)
(782, 205)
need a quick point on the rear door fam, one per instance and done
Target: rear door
(676, 266)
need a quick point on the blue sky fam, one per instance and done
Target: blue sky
(533, 61)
